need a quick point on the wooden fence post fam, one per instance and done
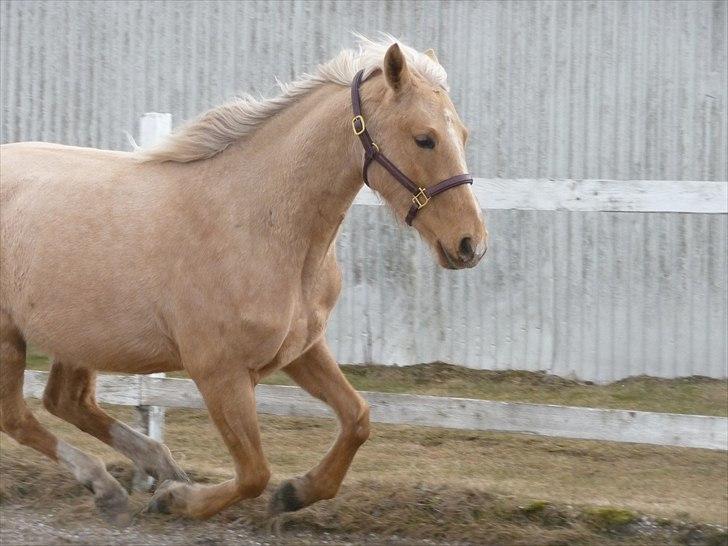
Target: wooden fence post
(150, 419)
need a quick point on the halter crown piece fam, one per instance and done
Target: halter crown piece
(420, 196)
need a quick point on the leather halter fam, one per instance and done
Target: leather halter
(420, 195)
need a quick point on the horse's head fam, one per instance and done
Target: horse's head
(418, 129)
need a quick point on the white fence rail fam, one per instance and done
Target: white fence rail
(594, 195)
(696, 431)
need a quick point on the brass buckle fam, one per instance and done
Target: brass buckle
(363, 125)
(421, 198)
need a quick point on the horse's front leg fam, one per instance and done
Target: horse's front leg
(319, 374)
(228, 392)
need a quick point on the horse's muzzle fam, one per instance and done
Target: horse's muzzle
(467, 255)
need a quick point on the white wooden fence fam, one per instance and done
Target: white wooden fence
(593, 195)
(696, 431)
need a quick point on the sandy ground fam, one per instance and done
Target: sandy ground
(407, 486)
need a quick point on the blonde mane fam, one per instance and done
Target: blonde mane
(219, 127)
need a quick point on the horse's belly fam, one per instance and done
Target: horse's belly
(112, 339)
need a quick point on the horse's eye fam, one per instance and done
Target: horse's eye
(424, 141)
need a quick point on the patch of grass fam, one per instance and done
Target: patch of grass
(545, 514)
(535, 507)
(607, 518)
(35, 360)
(692, 395)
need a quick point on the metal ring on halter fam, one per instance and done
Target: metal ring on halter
(359, 118)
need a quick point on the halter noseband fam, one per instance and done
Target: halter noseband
(420, 196)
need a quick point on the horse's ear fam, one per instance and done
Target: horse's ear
(395, 68)
(431, 54)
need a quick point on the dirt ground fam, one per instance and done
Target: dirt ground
(407, 486)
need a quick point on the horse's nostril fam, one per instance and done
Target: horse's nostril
(465, 250)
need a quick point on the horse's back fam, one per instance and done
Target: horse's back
(36, 156)
(73, 226)
(40, 171)
(46, 188)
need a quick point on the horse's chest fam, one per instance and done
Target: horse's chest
(311, 315)
(314, 312)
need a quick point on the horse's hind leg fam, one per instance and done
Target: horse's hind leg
(319, 374)
(71, 395)
(17, 421)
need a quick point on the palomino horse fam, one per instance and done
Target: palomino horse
(214, 253)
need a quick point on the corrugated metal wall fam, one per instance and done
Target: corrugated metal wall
(567, 89)
(616, 90)
(598, 296)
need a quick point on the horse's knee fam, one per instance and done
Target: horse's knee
(253, 484)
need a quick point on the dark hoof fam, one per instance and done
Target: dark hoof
(286, 499)
(158, 506)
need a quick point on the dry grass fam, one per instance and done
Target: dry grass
(476, 487)
(693, 395)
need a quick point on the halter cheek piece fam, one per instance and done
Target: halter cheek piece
(420, 196)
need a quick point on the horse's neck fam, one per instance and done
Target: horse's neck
(299, 172)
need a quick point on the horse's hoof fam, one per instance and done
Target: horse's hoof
(114, 507)
(170, 498)
(286, 498)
